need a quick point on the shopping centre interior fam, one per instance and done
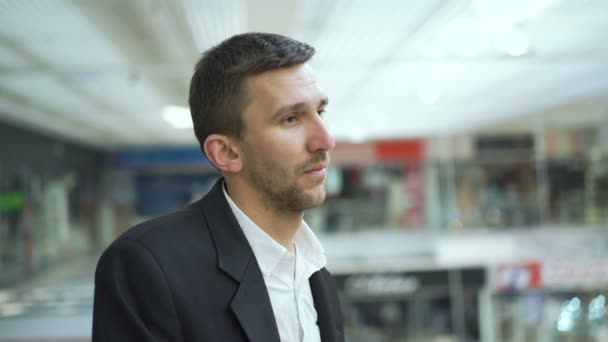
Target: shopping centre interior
(468, 191)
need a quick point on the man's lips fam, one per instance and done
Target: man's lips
(317, 172)
(316, 168)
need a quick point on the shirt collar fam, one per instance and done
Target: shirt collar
(310, 247)
(269, 252)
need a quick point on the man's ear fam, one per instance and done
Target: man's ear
(222, 151)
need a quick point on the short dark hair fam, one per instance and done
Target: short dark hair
(217, 95)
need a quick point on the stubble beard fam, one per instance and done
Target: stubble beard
(278, 187)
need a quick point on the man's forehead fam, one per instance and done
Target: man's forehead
(294, 80)
(299, 74)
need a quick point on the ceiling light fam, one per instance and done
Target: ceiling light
(511, 11)
(512, 41)
(177, 117)
(429, 92)
(465, 37)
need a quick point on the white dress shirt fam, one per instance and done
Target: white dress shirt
(286, 276)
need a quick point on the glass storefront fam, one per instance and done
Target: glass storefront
(500, 182)
(50, 194)
(552, 315)
(421, 306)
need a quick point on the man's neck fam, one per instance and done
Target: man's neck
(280, 227)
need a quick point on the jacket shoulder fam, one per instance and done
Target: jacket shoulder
(188, 218)
(168, 236)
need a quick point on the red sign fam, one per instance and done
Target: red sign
(411, 150)
(519, 276)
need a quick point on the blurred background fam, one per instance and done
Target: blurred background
(468, 198)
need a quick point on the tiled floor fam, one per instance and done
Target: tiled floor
(55, 305)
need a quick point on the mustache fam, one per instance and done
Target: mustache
(319, 157)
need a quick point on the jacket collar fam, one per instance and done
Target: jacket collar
(328, 310)
(233, 251)
(251, 303)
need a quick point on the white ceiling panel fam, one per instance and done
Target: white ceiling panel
(82, 52)
(109, 67)
(572, 32)
(24, 115)
(43, 88)
(37, 18)
(132, 91)
(54, 31)
(213, 21)
(44, 91)
(363, 33)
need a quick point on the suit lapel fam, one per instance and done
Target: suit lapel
(252, 307)
(251, 303)
(325, 313)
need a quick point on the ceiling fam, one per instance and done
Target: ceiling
(101, 72)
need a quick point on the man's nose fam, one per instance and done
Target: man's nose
(320, 138)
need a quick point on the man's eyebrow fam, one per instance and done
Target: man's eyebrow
(296, 106)
(324, 102)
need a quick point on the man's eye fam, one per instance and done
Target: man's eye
(321, 112)
(290, 119)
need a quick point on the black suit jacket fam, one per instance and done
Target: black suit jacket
(191, 276)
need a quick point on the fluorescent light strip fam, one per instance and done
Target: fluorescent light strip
(177, 117)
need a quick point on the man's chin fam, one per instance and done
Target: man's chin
(316, 197)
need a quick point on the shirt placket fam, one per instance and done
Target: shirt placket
(286, 275)
(300, 274)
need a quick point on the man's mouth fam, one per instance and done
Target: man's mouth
(317, 170)
(317, 166)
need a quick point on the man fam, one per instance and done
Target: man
(240, 264)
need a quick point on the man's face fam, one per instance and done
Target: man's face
(285, 142)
